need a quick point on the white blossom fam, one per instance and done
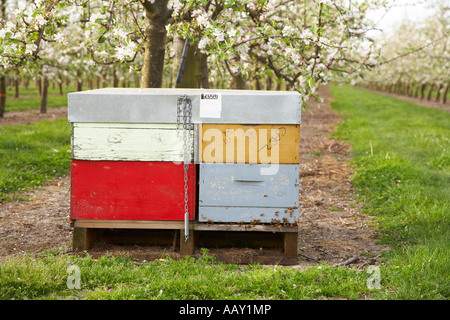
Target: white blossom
(219, 35)
(121, 34)
(60, 38)
(123, 52)
(30, 48)
(232, 32)
(203, 43)
(96, 16)
(21, 5)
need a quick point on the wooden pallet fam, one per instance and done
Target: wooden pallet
(87, 231)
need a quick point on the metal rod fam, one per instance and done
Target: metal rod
(183, 59)
(186, 226)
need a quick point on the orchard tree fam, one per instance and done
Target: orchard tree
(25, 30)
(301, 44)
(421, 65)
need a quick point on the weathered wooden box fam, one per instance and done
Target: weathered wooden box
(239, 193)
(249, 163)
(127, 154)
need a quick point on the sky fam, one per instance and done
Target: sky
(415, 10)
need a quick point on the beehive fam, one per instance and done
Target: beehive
(127, 154)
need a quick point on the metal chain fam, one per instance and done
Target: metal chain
(184, 121)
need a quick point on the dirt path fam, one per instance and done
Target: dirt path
(29, 116)
(39, 224)
(332, 228)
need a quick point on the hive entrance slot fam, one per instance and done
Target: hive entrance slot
(249, 183)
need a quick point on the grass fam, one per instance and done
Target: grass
(34, 102)
(33, 90)
(54, 100)
(401, 159)
(114, 278)
(31, 155)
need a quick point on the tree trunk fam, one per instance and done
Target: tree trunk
(170, 85)
(256, 84)
(397, 87)
(422, 91)
(278, 85)
(104, 80)
(39, 85)
(409, 89)
(204, 74)
(416, 91)
(44, 90)
(115, 79)
(156, 15)
(444, 96)
(178, 45)
(16, 88)
(438, 93)
(26, 83)
(2, 96)
(268, 83)
(238, 81)
(79, 81)
(60, 85)
(192, 68)
(429, 92)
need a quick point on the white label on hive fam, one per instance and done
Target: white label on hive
(210, 105)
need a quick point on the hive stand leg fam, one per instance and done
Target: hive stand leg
(290, 244)
(83, 238)
(187, 247)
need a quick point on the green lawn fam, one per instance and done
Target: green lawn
(166, 279)
(401, 158)
(33, 90)
(54, 100)
(29, 98)
(34, 103)
(32, 154)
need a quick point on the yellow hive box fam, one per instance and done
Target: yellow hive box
(237, 143)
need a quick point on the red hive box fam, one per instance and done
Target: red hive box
(130, 190)
(128, 157)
